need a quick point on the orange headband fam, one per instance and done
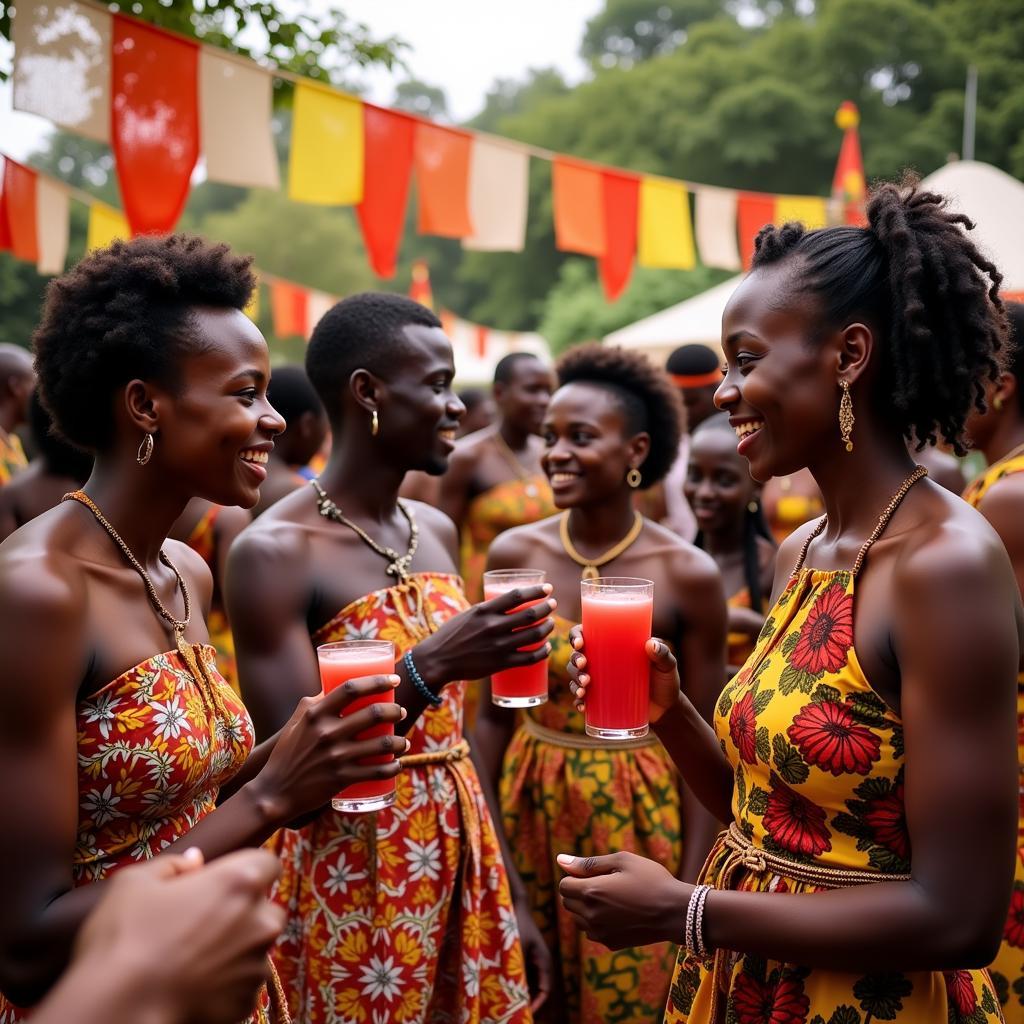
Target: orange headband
(696, 380)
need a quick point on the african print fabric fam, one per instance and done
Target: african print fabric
(739, 645)
(403, 916)
(818, 761)
(12, 457)
(589, 800)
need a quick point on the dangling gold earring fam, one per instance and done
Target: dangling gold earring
(634, 478)
(846, 417)
(997, 403)
(374, 424)
(145, 450)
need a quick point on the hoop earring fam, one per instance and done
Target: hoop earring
(145, 452)
(634, 478)
(846, 417)
(374, 424)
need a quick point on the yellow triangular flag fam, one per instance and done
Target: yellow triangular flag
(810, 211)
(326, 162)
(106, 225)
(664, 232)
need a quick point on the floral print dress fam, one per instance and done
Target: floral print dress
(589, 799)
(818, 760)
(403, 916)
(1008, 967)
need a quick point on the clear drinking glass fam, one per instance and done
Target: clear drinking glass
(524, 687)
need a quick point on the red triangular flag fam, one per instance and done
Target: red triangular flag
(621, 202)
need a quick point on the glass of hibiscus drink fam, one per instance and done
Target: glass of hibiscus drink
(352, 659)
(527, 686)
(617, 614)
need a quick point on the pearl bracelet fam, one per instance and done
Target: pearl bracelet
(417, 681)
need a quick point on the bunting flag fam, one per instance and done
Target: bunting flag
(236, 107)
(665, 230)
(419, 287)
(716, 228)
(289, 307)
(499, 184)
(154, 122)
(387, 162)
(810, 211)
(849, 187)
(18, 212)
(106, 225)
(62, 70)
(442, 158)
(578, 196)
(753, 212)
(326, 161)
(53, 218)
(317, 305)
(621, 196)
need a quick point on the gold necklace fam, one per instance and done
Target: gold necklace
(525, 476)
(398, 565)
(883, 522)
(591, 565)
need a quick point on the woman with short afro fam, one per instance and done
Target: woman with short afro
(866, 754)
(119, 739)
(612, 427)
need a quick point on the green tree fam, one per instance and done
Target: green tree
(422, 99)
(627, 32)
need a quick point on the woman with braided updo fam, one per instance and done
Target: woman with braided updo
(865, 755)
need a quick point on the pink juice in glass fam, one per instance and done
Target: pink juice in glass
(352, 659)
(617, 614)
(524, 687)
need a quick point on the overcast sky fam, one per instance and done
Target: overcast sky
(462, 46)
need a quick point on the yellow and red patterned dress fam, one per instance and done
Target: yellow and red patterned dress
(1008, 967)
(818, 760)
(561, 790)
(12, 456)
(154, 748)
(739, 645)
(203, 540)
(403, 916)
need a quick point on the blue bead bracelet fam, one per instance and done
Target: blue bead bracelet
(417, 681)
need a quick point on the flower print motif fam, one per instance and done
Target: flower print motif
(341, 874)
(365, 630)
(169, 718)
(381, 979)
(102, 709)
(881, 995)
(960, 989)
(743, 727)
(471, 977)
(775, 1001)
(424, 859)
(102, 805)
(887, 819)
(827, 633)
(1014, 931)
(508, 927)
(827, 736)
(794, 823)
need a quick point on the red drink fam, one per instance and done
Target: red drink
(617, 613)
(352, 659)
(524, 687)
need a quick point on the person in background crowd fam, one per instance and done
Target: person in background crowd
(611, 429)
(867, 752)
(789, 501)
(407, 913)
(731, 527)
(998, 494)
(696, 371)
(17, 380)
(943, 468)
(292, 395)
(57, 468)
(119, 739)
(205, 963)
(480, 410)
(494, 479)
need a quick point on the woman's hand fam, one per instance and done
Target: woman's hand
(664, 675)
(489, 637)
(623, 900)
(536, 955)
(317, 752)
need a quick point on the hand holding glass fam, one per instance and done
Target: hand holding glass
(524, 687)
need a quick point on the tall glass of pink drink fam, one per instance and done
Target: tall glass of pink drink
(524, 687)
(617, 613)
(351, 659)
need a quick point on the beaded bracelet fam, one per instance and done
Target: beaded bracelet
(417, 681)
(694, 938)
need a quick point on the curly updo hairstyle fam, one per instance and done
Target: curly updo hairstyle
(648, 400)
(125, 313)
(918, 280)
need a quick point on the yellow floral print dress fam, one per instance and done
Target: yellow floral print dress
(818, 760)
(12, 457)
(1008, 967)
(561, 791)
(403, 916)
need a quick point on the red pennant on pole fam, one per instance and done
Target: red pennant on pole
(18, 231)
(752, 213)
(154, 122)
(621, 202)
(848, 184)
(389, 138)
